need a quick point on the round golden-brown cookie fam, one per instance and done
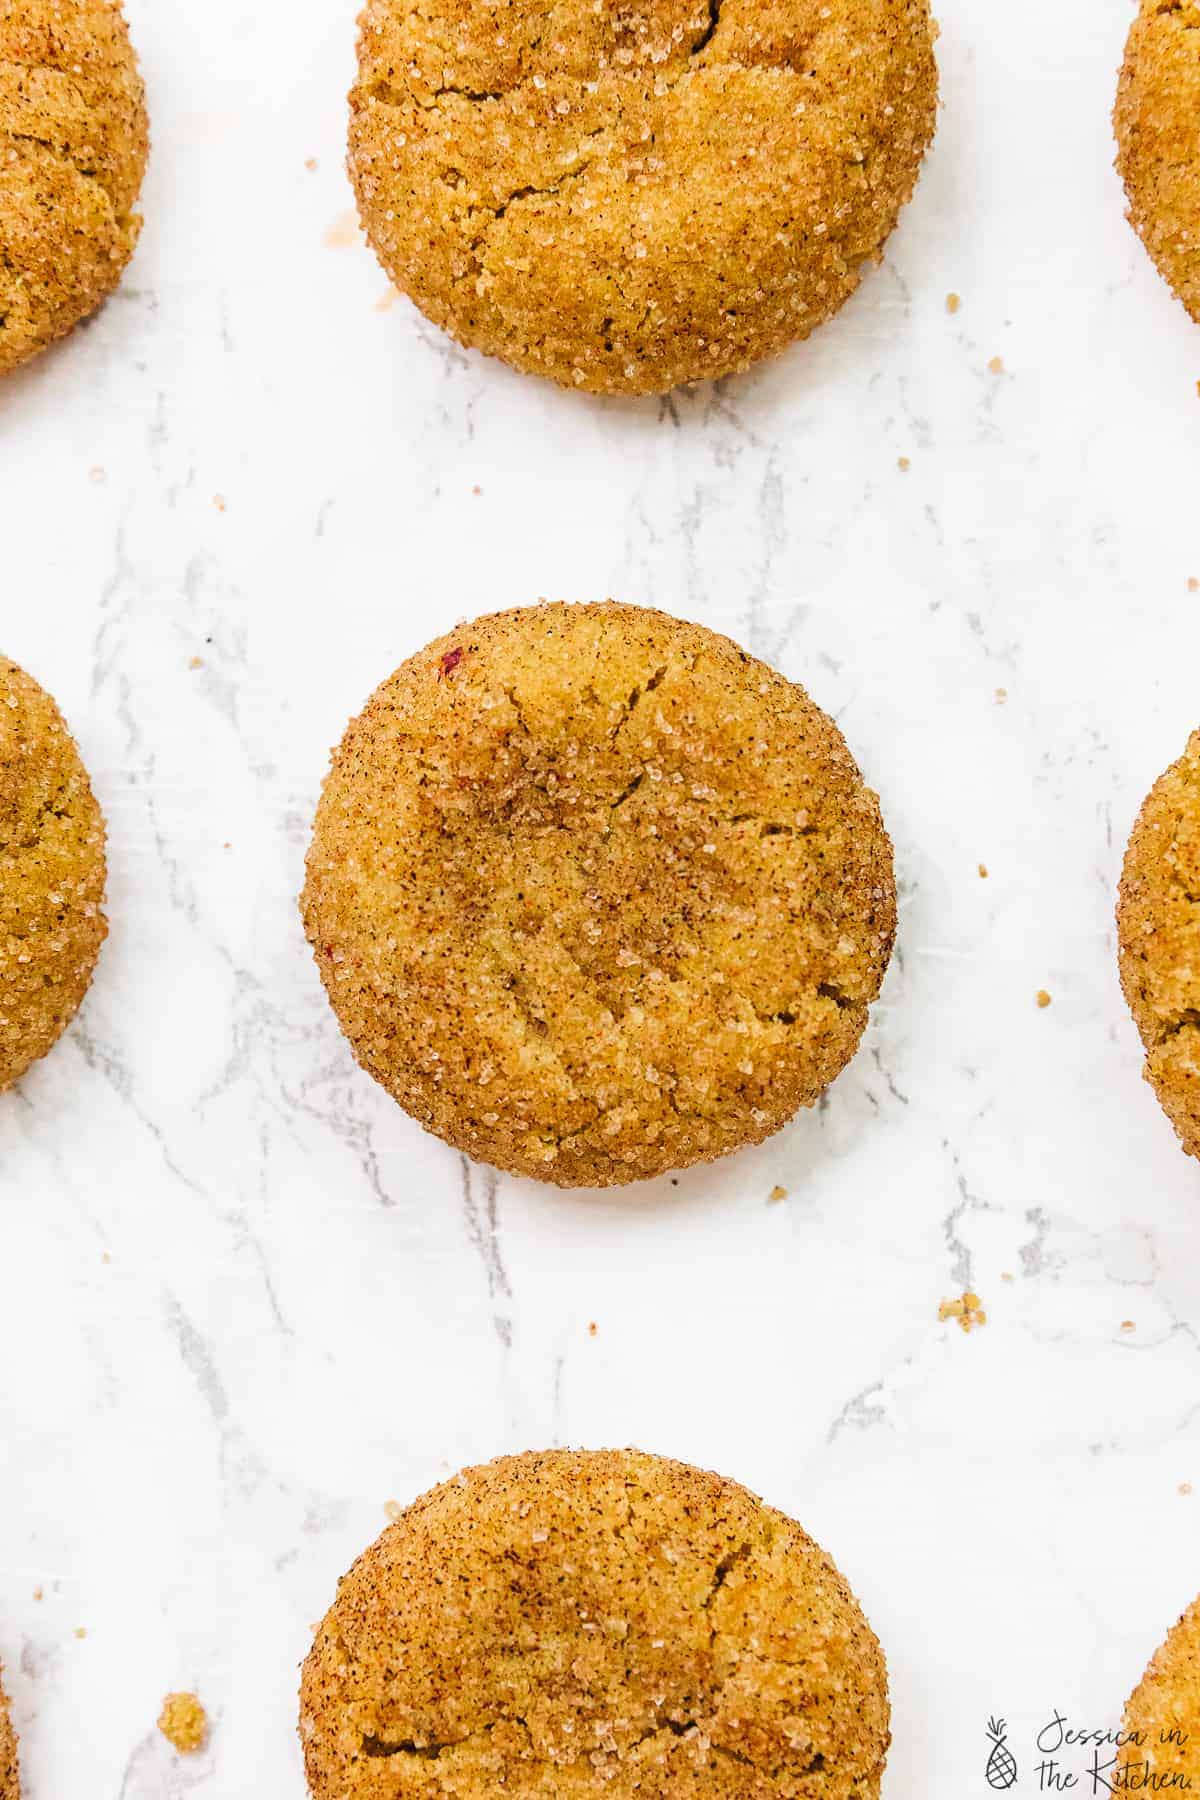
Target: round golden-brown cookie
(10, 1779)
(626, 198)
(1164, 1713)
(51, 874)
(1158, 926)
(73, 140)
(581, 1623)
(595, 894)
(1158, 139)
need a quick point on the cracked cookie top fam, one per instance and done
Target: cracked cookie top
(629, 197)
(1158, 136)
(10, 1780)
(73, 141)
(51, 874)
(1158, 919)
(603, 1622)
(1164, 1712)
(595, 894)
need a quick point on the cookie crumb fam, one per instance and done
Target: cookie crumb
(196, 662)
(1128, 1325)
(393, 1510)
(777, 1194)
(1043, 999)
(39, 1594)
(983, 871)
(311, 163)
(903, 464)
(953, 302)
(1185, 1488)
(997, 365)
(1000, 696)
(219, 502)
(81, 1631)
(1194, 584)
(184, 1723)
(968, 1312)
(593, 1328)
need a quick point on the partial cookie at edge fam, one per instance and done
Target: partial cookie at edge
(1157, 123)
(601, 1622)
(1158, 928)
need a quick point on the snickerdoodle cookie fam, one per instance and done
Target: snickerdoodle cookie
(1164, 1715)
(1158, 137)
(1158, 921)
(594, 1623)
(629, 197)
(10, 1780)
(595, 894)
(51, 874)
(73, 139)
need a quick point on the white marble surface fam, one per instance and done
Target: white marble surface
(244, 1302)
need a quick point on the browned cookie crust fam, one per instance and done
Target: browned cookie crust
(1158, 923)
(595, 894)
(10, 1780)
(51, 874)
(626, 198)
(1165, 1712)
(594, 1623)
(73, 141)
(1158, 138)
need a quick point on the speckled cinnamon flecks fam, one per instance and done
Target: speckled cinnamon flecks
(1165, 1713)
(603, 1623)
(1158, 137)
(1158, 919)
(627, 198)
(73, 144)
(10, 1779)
(51, 874)
(595, 894)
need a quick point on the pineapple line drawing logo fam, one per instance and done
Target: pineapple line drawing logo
(1002, 1764)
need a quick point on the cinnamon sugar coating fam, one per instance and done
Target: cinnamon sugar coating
(627, 198)
(594, 1623)
(595, 894)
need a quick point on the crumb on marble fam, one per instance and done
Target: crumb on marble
(983, 871)
(311, 163)
(1000, 696)
(1128, 1325)
(777, 1194)
(477, 489)
(184, 1723)
(996, 366)
(1043, 999)
(81, 1631)
(393, 1510)
(1185, 1488)
(967, 1312)
(197, 662)
(343, 232)
(39, 1594)
(953, 302)
(593, 1328)
(1194, 584)
(219, 502)
(904, 464)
